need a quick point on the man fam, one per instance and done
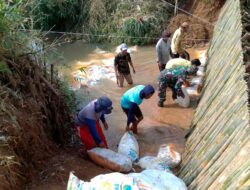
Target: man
(162, 50)
(130, 102)
(176, 45)
(121, 64)
(87, 122)
(174, 78)
(180, 62)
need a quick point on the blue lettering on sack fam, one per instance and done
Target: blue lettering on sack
(164, 166)
(116, 187)
(127, 187)
(132, 154)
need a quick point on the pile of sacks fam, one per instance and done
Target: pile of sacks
(197, 82)
(156, 176)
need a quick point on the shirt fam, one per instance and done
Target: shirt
(178, 62)
(87, 116)
(132, 95)
(121, 61)
(162, 50)
(174, 77)
(176, 41)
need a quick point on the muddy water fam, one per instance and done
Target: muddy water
(160, 125)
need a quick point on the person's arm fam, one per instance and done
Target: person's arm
(116, 66)
(102, 118)
(93, 130)
(159, 53)
(131, 63)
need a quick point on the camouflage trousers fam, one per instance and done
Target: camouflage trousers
(163, 84)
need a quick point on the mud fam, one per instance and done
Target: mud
(201, 18)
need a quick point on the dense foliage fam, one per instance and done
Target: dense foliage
(104, 20)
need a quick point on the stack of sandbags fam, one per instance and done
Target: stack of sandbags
(197, 82)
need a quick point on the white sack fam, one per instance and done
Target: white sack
(128, 146)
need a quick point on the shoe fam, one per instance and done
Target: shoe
(160, 104)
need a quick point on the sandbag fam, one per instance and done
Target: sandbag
(152, 162)
(128, 146)
(146, 180)
(201, 71)
(157, 180)
(110, 159)
(196, 80)
(112, 181)
(76, 184)
(167, 155)
(183, 102)
(192, 90)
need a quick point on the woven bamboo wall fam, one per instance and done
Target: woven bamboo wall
(217, 154)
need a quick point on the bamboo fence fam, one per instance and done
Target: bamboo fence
(217, 154)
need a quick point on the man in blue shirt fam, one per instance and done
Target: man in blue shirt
(130, 102)
(87, 121)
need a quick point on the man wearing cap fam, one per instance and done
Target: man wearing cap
(176, 46)
(130, 102)
(87, 122)
(121, 64)
(174, 78)
(162, 50)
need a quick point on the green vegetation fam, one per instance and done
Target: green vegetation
(102, 20)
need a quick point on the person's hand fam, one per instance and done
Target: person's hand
(133, 70)
(102, 145)
(105, 126)
(127, 129)
(186, 84)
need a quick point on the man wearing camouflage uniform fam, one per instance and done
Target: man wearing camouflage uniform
(173, 78)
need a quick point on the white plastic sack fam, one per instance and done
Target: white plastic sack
(183, 102)
(157, 180)
(192, 90)
(112, 181)
(152, 162)
(196, 80)
(201, 71)
(76, 184)
(128, 146)
(167, 155)
(110, 159)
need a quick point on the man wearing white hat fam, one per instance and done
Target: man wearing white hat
(121, 64)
